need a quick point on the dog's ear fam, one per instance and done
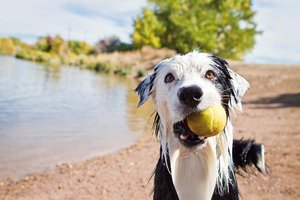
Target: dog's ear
(240, 86)
(144, 89)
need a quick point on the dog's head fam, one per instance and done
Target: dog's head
(189, 83)
(180, 86)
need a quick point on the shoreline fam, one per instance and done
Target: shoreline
(271, 116)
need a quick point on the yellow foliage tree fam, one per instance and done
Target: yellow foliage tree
(7, 46)
(147, 29)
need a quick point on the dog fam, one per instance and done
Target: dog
(192, 167)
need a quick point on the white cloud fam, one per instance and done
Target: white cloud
(94, 19)
(82, 20)
(280, 41)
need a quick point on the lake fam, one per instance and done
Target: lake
(52, 115)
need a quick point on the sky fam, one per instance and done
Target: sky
(91, 20)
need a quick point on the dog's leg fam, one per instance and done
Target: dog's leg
(247, 153)
(163, 184)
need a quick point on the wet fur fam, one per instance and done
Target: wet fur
(206, 172)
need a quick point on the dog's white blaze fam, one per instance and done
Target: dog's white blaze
(194, 173)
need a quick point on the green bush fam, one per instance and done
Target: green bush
(59, 46)
(43, 44)
(79, 47)
(123, 71)
(103, 67)
(142, 72)
(7, 46)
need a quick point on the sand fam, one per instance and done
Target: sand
(271, 116)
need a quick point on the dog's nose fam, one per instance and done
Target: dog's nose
(190, 96)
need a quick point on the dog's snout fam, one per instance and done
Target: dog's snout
(190, 96)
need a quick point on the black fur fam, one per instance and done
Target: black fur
(247, 153)
(163, 184)
(144, 89)
(223, 82)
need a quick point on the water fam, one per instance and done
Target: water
(52, 115)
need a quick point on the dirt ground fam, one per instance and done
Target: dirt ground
(271, 116)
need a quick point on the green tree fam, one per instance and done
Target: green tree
(223, 27)
(148, 30)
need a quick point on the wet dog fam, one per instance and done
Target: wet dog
(191, 167)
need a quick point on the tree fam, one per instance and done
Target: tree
(148, 30)
(44, 44)
(111, 44)
(223, 27)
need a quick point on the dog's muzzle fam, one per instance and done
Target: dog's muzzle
(190, 97)
(186, 136)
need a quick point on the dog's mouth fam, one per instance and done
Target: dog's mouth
(186, 136)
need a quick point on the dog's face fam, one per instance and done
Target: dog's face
(189, 83)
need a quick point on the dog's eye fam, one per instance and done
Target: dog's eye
(169, 78)
(210, 74)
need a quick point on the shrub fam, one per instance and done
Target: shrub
(141, 73)
(123, 71)
(103, 67)
(43, 44)
(34, 55)
(79, 47)
(7, 46)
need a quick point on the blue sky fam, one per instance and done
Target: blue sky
(91, 20)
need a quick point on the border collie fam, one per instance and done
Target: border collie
(191, 167)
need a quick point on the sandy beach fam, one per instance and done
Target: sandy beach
(271, 116)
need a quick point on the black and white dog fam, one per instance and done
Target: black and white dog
(193, 167)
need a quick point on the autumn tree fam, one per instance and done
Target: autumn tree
(223, 27)
(148, 30)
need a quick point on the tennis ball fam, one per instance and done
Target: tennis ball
(208, 122)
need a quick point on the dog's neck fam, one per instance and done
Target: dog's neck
(194, 172)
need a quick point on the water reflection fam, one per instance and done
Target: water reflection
(50, 115)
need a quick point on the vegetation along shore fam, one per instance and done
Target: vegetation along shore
(109, 55)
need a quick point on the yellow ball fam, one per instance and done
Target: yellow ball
(208, 122)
